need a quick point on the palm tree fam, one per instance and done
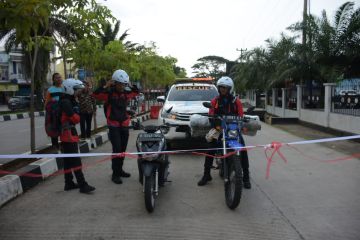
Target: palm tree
(109, 34)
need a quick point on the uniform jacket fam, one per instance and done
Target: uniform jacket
(116, 104)
(69, 118)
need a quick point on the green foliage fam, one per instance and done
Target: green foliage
(210, 66)
(144, 65)
(331, 52)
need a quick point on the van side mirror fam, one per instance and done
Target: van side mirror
(161, 99)
(207, 104)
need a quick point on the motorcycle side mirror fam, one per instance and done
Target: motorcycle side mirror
(207, 104)
(250, 109)
(164, 129)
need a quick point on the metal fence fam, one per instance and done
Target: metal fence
(269, 97)
(291, 98)
(313, 97)
(345, 97)
(260, 100)
(278, 97)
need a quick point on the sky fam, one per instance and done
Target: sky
(190, 29)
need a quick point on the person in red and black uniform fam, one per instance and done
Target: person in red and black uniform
(225, 104)
(116, 94)
(69, 137)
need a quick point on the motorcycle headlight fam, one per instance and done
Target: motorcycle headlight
(233, 134)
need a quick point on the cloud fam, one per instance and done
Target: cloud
(190, 29)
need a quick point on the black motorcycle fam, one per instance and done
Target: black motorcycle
(153, 165)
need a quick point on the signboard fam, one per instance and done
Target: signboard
(81, 74)
(193, 88)
(9, 87)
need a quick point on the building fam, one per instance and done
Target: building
(13, 81)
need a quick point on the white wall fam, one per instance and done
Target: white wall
(291, 113)
(279, 112)
(313, 116)
(345, 123)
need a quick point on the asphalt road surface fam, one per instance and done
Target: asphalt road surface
(303, 199)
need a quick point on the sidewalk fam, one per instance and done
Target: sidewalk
(4, 108)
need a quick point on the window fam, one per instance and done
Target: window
(14, 68)
(192, 93)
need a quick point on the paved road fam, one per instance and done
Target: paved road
(15, 134)
(303, 199)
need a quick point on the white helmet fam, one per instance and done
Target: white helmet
(120, 76)
(70, 85)
(226, 82)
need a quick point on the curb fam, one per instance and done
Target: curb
(17, 116)
(15, 184)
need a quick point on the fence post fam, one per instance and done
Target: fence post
(327, 102)
(254, 97)
(273, 100)
(283, 92)
(298, 99)
(266, 99)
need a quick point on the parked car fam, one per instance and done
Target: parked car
(23, 102)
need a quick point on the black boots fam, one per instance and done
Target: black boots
(203, 181)
(206, 178)
(83, 188)
(70, 186)
(246, 178)
(124, 174)
(86, 188)
(116, 179)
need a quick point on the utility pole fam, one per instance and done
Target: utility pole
(241, 52)
(304, 37)
(304, 22)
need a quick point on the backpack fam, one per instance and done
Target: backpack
(53, 119)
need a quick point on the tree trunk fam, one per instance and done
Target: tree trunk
(32, 117)
(64, 61)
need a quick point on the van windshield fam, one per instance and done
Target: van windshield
(192, 93)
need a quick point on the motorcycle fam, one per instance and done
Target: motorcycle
(230, 167)
(153, 166)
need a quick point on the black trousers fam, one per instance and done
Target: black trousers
(85, 124)
(55, 142)
(209, 160)
(119, 139)
(73, 162)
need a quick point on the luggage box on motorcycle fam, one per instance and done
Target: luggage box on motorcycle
(251, 127)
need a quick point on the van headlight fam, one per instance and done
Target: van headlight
(232, 133)
(164, 114)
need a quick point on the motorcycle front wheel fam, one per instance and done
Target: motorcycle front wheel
(233, 187)
(149, 189)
